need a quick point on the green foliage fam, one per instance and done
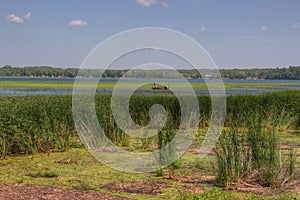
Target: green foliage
(292, 72)
(35, 124)
(249, 152)
(42, 71)
(275, 73)
(44, 123)
(177, 164)
(159, 172)
(44, 174)
(213, 194)
(178, 193)
(279, 109)
(199, 164)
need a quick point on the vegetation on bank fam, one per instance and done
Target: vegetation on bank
(292, 72)
(83, 172)
(247, 152)
(40, 123)
(250, 155)
(110, 85)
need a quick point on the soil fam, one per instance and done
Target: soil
(260, 190)
(138, 187)
(194, 179)
(39, 192)
(197, 151)
(149, 187)
(192, 189)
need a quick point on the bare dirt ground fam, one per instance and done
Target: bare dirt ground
(193, 179)
(138, 187)
(148, 187)
(39, 192)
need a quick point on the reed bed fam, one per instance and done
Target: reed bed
(35, 124)
(44, 123)
(248, 154)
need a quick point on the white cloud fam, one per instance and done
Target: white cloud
(203, 29)
(14, 18)
(149, 3)
(27, 16)
(297, 25)
(263, 28)
(164, 4)
(78, 23)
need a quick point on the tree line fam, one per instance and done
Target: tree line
(292, 72)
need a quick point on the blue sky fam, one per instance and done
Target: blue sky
(236, 33)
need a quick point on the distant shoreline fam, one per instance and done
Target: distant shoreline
(289, 73)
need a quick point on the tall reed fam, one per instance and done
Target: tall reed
(250, 153)
(44, 123)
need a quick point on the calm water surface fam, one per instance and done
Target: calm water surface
(68, 91)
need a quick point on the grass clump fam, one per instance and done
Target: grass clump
(45, 174)
(250, 155)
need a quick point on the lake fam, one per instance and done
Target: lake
(27, 91)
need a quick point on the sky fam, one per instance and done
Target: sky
(236, 33)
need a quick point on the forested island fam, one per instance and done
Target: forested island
(292, 72)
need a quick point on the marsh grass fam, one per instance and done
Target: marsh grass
(45, 123)
(247, 151)
(31, 124)
(250, 154)
(195, 85)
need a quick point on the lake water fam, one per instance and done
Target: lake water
(142, 80)
(68, 91)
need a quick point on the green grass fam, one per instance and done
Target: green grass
(258, 85)
(290, 137)
(252, 151)
(29, 125)
(34, 84)
(57, 84)
(43, 123)
(83, 172)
